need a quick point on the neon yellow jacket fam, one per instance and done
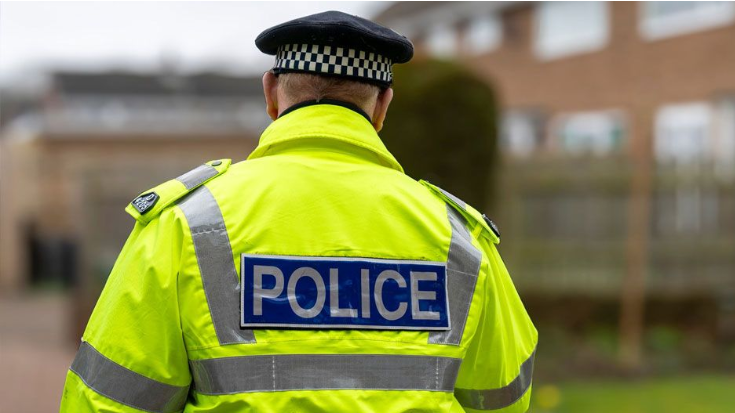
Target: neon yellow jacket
(165, 335)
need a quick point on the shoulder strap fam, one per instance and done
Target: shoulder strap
(152, 202)
(473, 216)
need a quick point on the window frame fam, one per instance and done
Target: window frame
(653, 28)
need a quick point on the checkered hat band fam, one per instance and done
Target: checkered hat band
(334, 60)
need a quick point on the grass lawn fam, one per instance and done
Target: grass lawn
(688, 394)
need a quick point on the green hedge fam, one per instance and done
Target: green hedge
(442, 127)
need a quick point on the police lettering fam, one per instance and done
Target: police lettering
(342, 292)
(368, 292)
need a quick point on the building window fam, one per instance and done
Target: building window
(521, 132)
(661, 19)
(484, 34)
(684, 138)
(567, 28)
(691, 210)
(684, 133)
(724, 142)
(442, 41)
(598, 133)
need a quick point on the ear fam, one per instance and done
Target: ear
(381, 108)
(270, 90)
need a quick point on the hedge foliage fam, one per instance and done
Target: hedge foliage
(442, 127)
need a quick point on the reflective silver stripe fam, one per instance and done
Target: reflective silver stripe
(126, 386)
(463, 267)
(216, 264)
(324, 372)
(493, 399)
(197, 176)
(456, 200)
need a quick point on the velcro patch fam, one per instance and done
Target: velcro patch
(338, 292)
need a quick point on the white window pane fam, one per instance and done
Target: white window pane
(442, 41)
(724, 139)
(484, 34)
(683, 133)
(599, 133)
(670, 18)
(564, 28)
(522, 132)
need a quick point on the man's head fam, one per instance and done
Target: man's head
(287, 89)
(332, 55)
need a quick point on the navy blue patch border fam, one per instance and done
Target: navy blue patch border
(243, 256)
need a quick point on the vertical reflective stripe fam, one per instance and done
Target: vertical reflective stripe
(324, 372)
(493, 399)
(216, 265)
(463, 268)
(197, 176)
(126, 386)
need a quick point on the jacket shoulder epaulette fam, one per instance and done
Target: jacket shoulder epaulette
(474, 217)
(149, 204)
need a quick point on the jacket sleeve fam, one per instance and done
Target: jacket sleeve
(497, 370)
(132, 357)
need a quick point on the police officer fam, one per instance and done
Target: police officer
(313, 277)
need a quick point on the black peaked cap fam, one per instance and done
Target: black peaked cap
(334, 28)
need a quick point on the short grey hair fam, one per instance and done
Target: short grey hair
(300, 87)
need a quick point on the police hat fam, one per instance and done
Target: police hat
(337, 44)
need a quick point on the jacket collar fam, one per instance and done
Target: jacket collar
(312, 102)
(324, 121)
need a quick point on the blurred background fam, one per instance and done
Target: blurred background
(600, 136)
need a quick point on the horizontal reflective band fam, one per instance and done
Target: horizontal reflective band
(126, 386)
(197, 176)
(324, 372)
(493, 399)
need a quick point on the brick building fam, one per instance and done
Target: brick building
(618, 134)
(70, 164)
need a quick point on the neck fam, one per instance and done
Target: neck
(311, 102)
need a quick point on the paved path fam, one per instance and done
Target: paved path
(35, 352)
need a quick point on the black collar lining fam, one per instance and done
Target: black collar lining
(347, 105)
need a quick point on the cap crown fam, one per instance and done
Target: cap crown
(335, 28)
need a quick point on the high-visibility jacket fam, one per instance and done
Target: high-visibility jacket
(167, 333)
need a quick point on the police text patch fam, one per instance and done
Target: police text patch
(337, 292)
